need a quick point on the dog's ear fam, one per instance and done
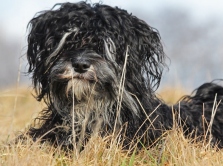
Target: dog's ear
(39, 48)
(146, 55)
(151, 54)
(40, 30)
(45, 33)
(36, 53)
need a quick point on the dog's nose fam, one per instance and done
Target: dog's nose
(81, 66)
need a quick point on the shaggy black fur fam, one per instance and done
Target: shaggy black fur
(97, 67)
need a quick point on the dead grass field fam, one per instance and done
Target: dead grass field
(18, 108)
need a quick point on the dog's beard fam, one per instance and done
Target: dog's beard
(80, 85)
(82, 92)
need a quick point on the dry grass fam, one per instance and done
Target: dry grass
(170, 95)
(17, 108)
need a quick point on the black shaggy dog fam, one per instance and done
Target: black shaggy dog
(97, 68)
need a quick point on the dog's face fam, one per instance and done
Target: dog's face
(83, 77)
(82, 53)
(81, 73)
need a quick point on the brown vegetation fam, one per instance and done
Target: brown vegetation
(18, 108)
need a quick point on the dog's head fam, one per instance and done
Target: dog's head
(78, 50)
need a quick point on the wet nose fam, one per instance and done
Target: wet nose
(81, 66)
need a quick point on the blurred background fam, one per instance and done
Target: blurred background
(191, 32)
